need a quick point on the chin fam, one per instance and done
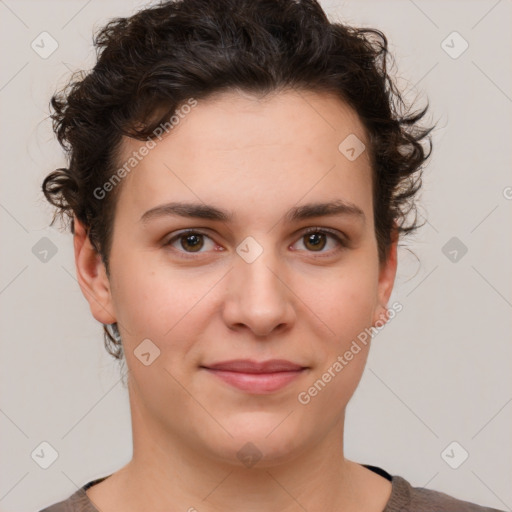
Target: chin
(259, 444)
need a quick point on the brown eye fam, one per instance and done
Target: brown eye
(315, 241)
(193, 241)
(190, 242)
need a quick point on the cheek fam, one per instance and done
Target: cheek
(345, 302)
(162, 307)
(343, 299)
(341, 358)
(151, 299)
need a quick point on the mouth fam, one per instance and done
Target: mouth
(256, 377)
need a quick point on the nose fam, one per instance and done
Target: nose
(258, 297)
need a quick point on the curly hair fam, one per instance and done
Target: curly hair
(152, 62)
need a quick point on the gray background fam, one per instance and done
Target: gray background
(439, 372)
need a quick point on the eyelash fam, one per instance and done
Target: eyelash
(342, 243)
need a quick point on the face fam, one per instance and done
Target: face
(271, 278)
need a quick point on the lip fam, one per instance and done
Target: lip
(256, 377)
(251, 366)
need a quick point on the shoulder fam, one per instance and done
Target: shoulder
(406, 498)
(77, 502)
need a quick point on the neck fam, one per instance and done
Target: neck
(170, 470)
(167, 473)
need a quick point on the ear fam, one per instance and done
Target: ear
(387, 275)
(92, 276)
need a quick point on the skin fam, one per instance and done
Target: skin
(256, 157)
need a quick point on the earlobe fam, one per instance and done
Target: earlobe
(92, 276)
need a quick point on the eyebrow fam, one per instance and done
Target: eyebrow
(203, 211)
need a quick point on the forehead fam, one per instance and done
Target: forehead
(245, 150)
(229, 121)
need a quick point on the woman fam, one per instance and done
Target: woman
(240, 175)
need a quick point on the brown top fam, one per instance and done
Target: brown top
(403, 498)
